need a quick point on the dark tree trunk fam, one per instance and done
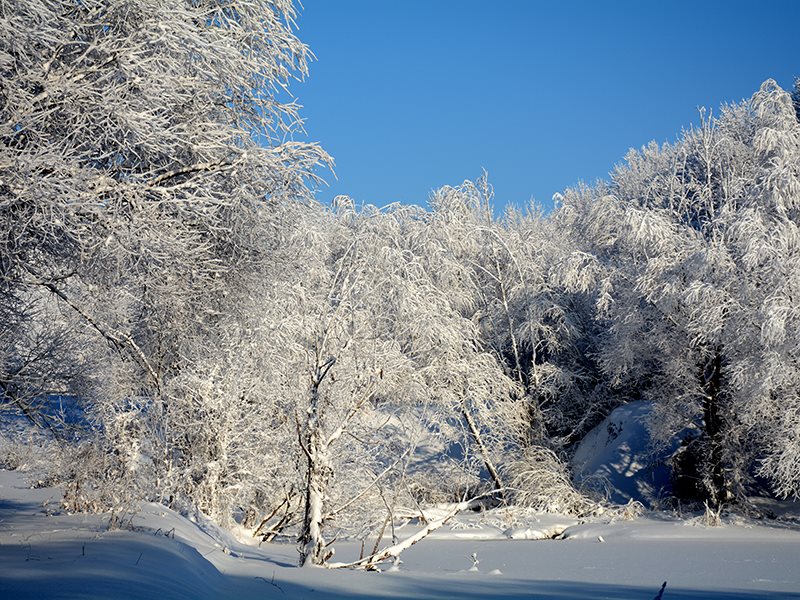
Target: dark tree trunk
(716, 480)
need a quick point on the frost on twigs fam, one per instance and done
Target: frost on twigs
(540, 481)
(140, 145)
(294, 370)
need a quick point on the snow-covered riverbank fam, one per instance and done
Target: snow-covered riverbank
(45, 553)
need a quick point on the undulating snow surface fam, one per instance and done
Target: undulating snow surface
(46, 554)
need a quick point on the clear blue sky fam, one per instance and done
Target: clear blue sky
(414, 94)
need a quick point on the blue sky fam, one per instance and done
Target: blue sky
(409, 95)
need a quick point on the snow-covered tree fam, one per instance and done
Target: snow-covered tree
(698, 238)
(505, 279)
(338, 382)
(139, 141)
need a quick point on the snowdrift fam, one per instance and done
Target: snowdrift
(615, 459)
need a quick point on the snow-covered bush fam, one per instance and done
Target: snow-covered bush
(540, 481)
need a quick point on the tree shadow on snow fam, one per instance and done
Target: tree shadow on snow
(394, 586)
(12, 506)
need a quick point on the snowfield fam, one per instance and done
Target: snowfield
(45, 554)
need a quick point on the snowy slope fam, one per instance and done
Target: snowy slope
(48, 555)
(616, 460)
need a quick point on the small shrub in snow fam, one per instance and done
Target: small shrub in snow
(540, 481)
(625, 512)
(712, 517)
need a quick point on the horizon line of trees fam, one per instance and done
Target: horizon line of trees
(235, 347)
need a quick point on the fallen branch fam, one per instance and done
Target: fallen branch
(392, 552)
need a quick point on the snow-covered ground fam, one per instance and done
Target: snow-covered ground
(45, 553)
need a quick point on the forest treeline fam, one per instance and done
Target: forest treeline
(217, 339)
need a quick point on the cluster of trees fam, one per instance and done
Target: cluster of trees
(699, 242)
(236, 347)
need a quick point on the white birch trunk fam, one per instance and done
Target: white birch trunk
(312, 543)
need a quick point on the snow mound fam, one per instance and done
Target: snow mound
(616, 458)
(48, 553)
(532, 534)
(545, 527)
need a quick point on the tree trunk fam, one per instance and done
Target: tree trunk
(487, 460)
(311, 542)
(717, 482)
